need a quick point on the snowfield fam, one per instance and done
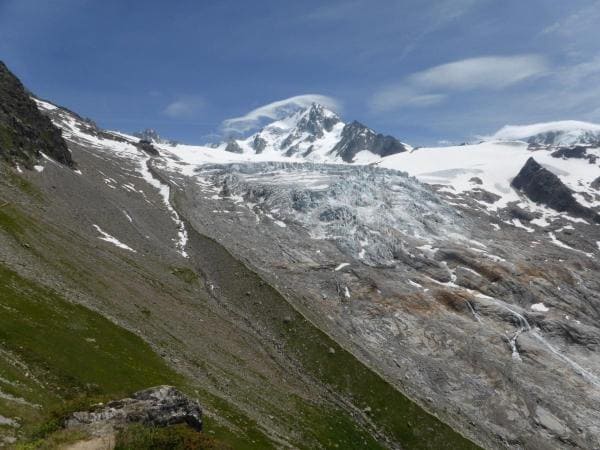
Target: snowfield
(491, 166)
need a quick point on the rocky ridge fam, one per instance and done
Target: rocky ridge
(152, 136)
(542, 186)
(25, 133)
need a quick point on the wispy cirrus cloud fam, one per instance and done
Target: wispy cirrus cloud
(432, 86)
(184, 107)
(369, 19)
(275, 110)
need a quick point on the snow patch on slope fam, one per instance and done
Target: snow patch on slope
(104, 236)
(165, 193)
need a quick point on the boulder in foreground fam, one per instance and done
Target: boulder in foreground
(159, 406)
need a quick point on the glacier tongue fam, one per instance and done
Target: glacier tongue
(370, 212)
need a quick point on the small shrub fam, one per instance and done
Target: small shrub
(184, 274)
(176, 437)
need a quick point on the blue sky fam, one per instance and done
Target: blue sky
(424, 71)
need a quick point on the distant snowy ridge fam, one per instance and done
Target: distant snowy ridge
(566, 132)
(152, 136)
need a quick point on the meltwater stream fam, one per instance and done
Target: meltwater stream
(525, 327)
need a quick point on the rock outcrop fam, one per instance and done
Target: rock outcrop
(317, 121)
(233, 147)
(153, 137)
(158, 407)
(577, 151)
(148, 147)
(542, 186)
(356, 137)
(24, 131)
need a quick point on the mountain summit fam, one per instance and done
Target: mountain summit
(316, 133)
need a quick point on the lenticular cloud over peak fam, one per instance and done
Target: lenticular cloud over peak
(275, 110)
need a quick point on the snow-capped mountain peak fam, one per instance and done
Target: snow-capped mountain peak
(317, 119)
(565, 133)
(317, 133)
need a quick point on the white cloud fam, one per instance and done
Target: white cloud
(525, 131)
(407, 96)
(491, 72)
(578, 24)
(433, 85)
(275, 110)
(336, 11)
(184, 107)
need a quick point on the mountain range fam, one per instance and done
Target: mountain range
(314, 285)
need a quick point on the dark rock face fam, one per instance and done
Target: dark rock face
(570, 152)
(233, 147)
(357, 137)
(596, 183)
(158, 407)
(317, 120)
(24, 131)
(147, 146)
(542, 186)
(518, 213)
(259, 144)
(484, 196)
(574, 152)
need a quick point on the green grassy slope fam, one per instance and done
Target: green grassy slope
(58, 356)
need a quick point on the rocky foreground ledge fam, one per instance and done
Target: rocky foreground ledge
(159, 406)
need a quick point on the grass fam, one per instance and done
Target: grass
(75, 347)
(184, 274)
(242, 434)
(58, 439)
(400, 418)
(21, 183)
(13, 223)
(81, 359)
(77, 356)
(332, 428)
(177, 437)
